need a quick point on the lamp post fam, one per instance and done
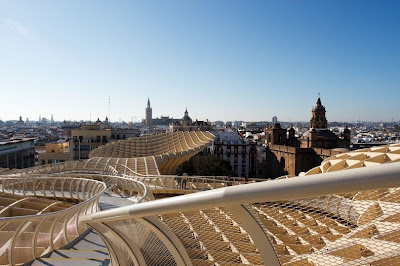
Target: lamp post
(79, 149)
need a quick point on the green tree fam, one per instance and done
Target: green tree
(207, 165)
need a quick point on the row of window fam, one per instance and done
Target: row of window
(96, 139)
(52, 161)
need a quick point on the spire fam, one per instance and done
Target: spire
(148, 101)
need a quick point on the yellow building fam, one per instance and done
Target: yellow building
(57, 147)
(54, 153)
(88, 138)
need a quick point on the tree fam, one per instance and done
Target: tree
(205, 165)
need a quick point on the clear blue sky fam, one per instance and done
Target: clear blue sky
(224, 60)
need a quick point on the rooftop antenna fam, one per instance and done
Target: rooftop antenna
(109, 109)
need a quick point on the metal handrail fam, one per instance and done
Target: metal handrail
(361, 179)
(113, 182)
(64, 167)
(191, 183)
(31, 226)
(20, 218)
(146, 192)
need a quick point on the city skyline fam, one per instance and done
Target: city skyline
(224, 60)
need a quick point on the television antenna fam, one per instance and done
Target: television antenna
(109, 109)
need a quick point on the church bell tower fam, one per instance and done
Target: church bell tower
(318, 119)
(149, 111)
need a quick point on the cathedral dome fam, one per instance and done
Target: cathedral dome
(321, 134)
(319, 106)
(326, 134)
